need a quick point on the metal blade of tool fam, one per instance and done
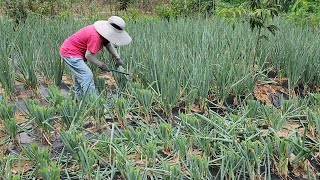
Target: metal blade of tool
(120, 69)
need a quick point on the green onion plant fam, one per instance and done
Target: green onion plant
(11, 127)
(199, 167)
(145, 100)
(55, 96)
(42, 116)
(73, 113)
(121, 109)
(44, 166)
(101, 85)
(7, 109)
(165, 134)
(132, 173)
(27, 56)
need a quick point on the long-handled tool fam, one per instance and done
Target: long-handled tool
(120, 70)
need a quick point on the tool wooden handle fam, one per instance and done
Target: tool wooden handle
(113, 70)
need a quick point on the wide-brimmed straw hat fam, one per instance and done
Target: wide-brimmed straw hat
(113, 30)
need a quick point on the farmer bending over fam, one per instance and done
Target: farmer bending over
(84, 44)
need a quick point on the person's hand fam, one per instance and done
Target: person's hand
(104, 67)
(119, 62)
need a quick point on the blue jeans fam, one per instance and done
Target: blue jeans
(82, 76)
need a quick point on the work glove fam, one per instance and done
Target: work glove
(104, 67)
(119, 62)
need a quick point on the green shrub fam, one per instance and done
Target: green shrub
(124, 4)
(305, 12)
(177, 8)
(15, 9)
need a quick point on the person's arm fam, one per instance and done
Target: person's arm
(112, 51)
(93, 59)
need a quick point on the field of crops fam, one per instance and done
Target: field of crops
(203, 103)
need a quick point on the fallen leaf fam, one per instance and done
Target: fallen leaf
(67, 80)
(20, 117)
(263, 92)
(21, 166)
(110, 81)
(24, 94)
(198, 152)
(196, 108)
(17, 83)
(286, 130)
(301, 168)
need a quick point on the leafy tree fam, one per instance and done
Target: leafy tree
(177, 8)
(15, 9)
(124, 4)
(261, 12)
(305, 11)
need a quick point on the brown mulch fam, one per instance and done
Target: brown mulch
(265, 92)
(110, 81)
(301, 168)
(286, 130)
(67, 80)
